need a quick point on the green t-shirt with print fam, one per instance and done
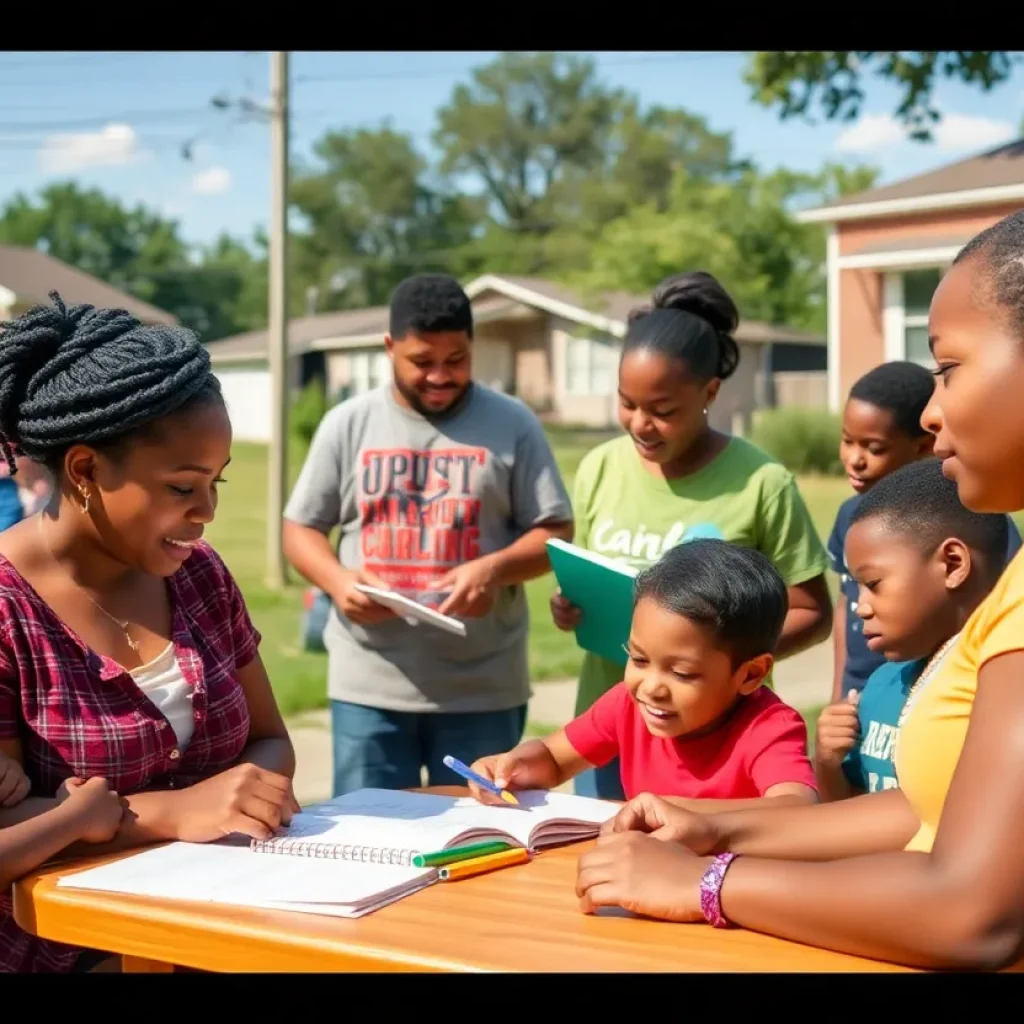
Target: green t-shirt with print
(742, 496)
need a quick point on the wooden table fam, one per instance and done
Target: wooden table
(524, 918)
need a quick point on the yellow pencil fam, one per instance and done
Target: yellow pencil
(480, 865)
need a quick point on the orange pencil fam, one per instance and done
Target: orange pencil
(479, 865)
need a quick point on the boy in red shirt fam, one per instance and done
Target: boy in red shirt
(691, 720)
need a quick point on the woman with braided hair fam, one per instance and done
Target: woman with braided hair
(126, 651)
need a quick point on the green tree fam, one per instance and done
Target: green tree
(215, 291)
(554, 154)
(832, 81)
(373, 215)
(741, 231)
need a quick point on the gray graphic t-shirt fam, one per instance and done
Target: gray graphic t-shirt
(415, 498)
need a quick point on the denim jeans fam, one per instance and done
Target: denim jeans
(605, 783)
(379, 749)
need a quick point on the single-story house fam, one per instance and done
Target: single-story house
(888, 248)
(552, 347)
(27, 276)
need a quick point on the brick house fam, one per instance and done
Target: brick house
(552, 347)
(888, 248)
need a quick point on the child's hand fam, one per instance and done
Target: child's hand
(566, 616)
(838, 731)
(14, 783)
(511, 771)
(95, 807)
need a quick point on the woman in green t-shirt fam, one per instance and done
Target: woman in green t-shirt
(673, 478)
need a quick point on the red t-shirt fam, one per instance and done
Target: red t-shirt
(762, 745)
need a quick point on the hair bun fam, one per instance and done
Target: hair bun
(697, 292)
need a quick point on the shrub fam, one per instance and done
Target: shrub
(803, 440)
(308, 410)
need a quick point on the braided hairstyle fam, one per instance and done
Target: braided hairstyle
(91, 376)
(692, 319)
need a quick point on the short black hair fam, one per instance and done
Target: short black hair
(100, 377)
(902, 389)
(733, 591)
(691, 319)
(428, 304)
(919, 503)
(1000, 250)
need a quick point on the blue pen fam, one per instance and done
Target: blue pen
(467, 773)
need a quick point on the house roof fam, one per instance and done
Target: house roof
(995, 176)
(493, 296)
(608, 311)
(32, 274)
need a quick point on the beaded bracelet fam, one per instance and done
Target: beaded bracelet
(711, 890)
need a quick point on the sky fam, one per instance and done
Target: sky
(141, 126)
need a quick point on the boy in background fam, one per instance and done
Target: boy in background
(923, 564)
(881, 433)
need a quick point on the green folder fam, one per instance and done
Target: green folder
(603, 591)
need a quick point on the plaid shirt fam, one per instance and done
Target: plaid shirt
(79, 713)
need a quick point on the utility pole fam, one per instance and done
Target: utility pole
(277, 332)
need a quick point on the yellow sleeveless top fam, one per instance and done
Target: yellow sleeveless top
(932, 737)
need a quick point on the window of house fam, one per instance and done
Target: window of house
(590, 366)
(918, 288)
(367, 370)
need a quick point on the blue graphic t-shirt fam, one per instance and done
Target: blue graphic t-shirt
(861, 662)
(869, 766)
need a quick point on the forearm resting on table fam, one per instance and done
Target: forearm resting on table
(527, 558)
(786, 796)
(310, 553)
(868, 824)
(34, 841)
(899, 907)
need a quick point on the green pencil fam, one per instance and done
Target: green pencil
(433, 860)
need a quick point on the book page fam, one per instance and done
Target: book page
(424, 822)
(234, 874)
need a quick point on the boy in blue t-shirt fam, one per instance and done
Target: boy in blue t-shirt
(881, 433)
(922, 564)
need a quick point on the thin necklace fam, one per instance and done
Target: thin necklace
(929, 670)
(123, 626)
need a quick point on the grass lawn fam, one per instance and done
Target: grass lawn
(299, 677)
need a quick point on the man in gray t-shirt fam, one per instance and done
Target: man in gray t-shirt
(447, 492)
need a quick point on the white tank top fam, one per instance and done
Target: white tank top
(162, 682)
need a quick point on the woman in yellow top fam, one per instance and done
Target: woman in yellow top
(931, 874)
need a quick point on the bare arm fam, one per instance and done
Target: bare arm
(809, 619)
(786, 794)
(832, 782)
(23, 847)
(534, 764)
(960, 906)
(839, 647)
(311, 554)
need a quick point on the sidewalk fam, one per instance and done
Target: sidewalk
(805, 681)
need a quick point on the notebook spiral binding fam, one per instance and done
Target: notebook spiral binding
(334, 851)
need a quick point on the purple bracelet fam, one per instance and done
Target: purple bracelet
(711, 890)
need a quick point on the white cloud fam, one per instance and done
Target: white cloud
(112, 146)
(960, 131)
(953, 133)
(868, 132)
(214, 181)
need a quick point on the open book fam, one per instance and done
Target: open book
(382, 826)
(602, 589)
(228, 873)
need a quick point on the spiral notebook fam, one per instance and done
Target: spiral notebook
(381, 826)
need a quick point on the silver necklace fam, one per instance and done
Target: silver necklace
(123, 626)
(929, 670)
